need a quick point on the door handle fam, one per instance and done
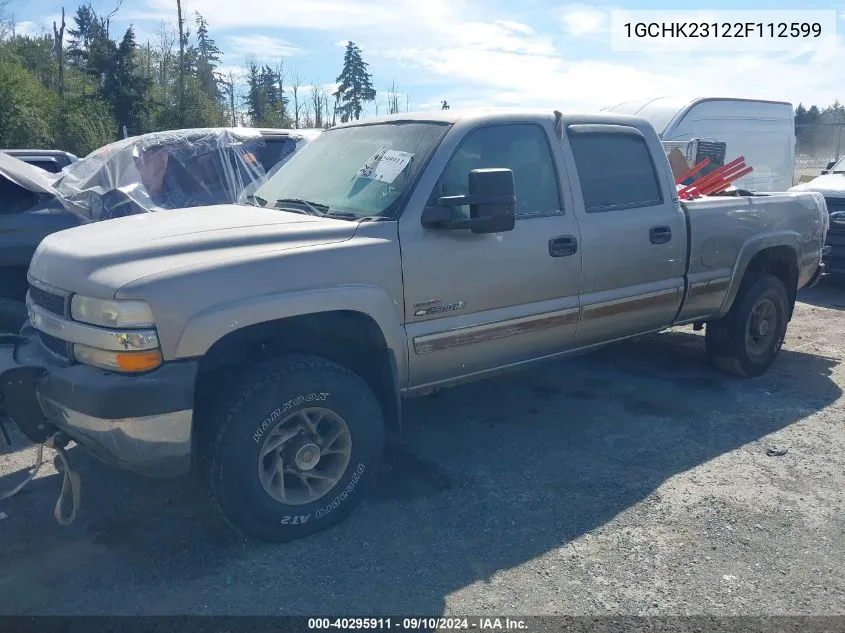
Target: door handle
(660, 234)
(563, 246)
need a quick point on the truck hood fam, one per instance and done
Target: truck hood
(98, 259)
(831, 185)
(27, 176)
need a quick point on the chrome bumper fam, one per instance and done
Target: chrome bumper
(139, 423)
(153, 445)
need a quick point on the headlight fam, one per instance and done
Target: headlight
(111, 313)
(128, 362)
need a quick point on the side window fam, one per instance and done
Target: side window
(615, 170)
(522, 148)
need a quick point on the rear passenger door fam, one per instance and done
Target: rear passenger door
(633, 232)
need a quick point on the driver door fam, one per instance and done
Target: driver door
(477, 302)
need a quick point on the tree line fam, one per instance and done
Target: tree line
(819, 130)
(83, 86)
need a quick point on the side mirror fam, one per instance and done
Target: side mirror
(827, 169)
(491, 200)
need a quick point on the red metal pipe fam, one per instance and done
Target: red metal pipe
(716, 187)
(714, 177)
(715, 174)
(692, 172)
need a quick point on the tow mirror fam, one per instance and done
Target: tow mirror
(491, 200)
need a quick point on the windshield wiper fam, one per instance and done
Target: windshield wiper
(345, 215)
(253, 199)
(310, 208)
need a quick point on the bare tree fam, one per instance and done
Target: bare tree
(166, 40)
(59, 46)
(326, 109)
(392, 99)
(181, 61)
(230, 88)
(318, 94)
(106, 20)
(307, 120)
(295, 85)
(7, 21)
(280, 77)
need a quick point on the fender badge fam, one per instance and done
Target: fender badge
(435, 306)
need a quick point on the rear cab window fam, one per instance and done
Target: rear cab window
(616, 170)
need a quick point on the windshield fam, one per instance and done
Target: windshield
(360, 171)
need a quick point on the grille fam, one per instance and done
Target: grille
(834, 205)
(47, 300)
(55, 345)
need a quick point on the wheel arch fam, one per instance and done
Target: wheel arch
(351, 338)
(775, 254)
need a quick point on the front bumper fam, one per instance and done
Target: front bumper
(138, 423)
(817, 276)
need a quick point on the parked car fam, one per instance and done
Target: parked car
(272, 345)
(152, 172)
(831, 184)
(51, 160)
(761, 131)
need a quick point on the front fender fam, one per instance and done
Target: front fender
(209, 326)
(749, 249)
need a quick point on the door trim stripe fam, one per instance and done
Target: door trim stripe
(493, 331)
(628, 304)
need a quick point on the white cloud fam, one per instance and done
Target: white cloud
(582, 19)
(262, 46)
(516, 27)
(499, 59)
(28, 28)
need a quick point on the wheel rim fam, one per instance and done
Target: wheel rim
(304, 456)
(762, 327)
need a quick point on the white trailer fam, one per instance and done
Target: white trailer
(762, 131)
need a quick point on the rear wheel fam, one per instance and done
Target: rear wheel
(294, 449)
(748, 339)
(12, 315)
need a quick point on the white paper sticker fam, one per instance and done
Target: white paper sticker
(385, 165)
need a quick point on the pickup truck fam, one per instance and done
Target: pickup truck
(831, 184)
(270, 347)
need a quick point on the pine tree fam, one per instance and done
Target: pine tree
(207, 59)
(125, 88)
(355, 85)
(86, 23)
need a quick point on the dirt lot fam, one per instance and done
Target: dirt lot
(632, 481)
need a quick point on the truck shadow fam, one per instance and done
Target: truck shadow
(829, 293)
(488, 476)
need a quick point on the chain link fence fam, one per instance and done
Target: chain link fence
(817, 145)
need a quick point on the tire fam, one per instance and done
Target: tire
(730, 345)
(267, 405)
(12, 315)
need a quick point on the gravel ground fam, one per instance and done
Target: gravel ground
(634, 481)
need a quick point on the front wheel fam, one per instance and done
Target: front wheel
(748, 339)
(294, 449)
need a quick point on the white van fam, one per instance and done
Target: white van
(762, 131)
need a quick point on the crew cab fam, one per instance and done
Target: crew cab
(270, 347)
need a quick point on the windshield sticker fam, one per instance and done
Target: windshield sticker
(385, 165)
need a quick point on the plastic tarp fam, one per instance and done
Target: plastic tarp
(169, 170)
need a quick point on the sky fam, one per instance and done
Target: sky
(485, 52)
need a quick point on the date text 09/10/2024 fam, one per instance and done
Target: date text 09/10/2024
(417, 624)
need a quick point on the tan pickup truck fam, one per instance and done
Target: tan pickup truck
(270, 344)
